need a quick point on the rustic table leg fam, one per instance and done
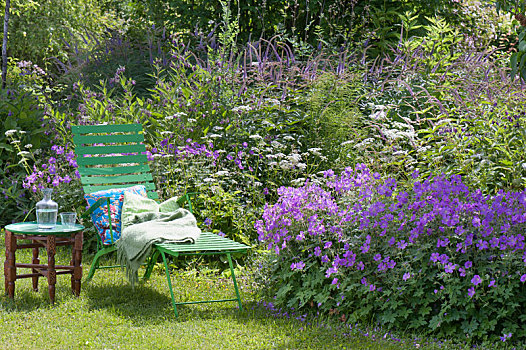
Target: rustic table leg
(35, 261)
(51, 272)
(9, 264)
(76, 262)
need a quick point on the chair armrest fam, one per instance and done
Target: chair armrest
(99, 203)
(186, 198)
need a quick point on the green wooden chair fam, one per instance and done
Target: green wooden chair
(111, 156)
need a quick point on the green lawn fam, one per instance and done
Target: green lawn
(109, 314)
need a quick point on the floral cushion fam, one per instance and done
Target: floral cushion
(100, 215)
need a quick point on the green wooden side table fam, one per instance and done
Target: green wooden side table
(48, 239)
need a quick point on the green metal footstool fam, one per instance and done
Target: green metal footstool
(207, 244)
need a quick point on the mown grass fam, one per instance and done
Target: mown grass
(110, 314)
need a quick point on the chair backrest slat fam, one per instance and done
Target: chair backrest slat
(106, 128)
(112, 156)
(103, 139)
(133, 169)
(122, 149)
(100, 180)
(107, 160)
(150, 188)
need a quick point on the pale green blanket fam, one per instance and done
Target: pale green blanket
(144, 223)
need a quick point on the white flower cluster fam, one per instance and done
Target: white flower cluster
(291, 161)
(364, 143)
(315, 151)
(380, 112)
(277, 145)
(271, 101)
(298, 182)
(175, 116)
(242, 109)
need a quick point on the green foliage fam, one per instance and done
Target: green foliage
(491, 28)
(335, 122)
(18, 111)
(439, 46)
(224, 213)
(488, 152)
(518, 58)
(302, 24)
(39, 30)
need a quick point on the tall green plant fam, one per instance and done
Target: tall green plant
(44, 30)
(518, 58)
(4, 43)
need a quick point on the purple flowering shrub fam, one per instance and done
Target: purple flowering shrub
(44, 170)
(55, 168)
(434, 257)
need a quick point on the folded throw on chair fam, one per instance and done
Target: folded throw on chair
(144, 223)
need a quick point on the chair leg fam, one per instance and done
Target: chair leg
(95, 263)
(234, 279)
(151, 264)
(169, 283)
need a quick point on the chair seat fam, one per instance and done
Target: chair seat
(208, 243)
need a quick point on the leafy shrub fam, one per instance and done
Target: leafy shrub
(433, 258)
(416, 100)
(489, 27)
(487, 151)
(21, 110)
(106, 53)
(37, 30)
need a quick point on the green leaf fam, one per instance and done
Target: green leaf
(6, 146)
(522, 66)
(388, 317)
(186, 92)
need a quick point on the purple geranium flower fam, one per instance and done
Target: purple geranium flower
(476, 280)
(491, 284)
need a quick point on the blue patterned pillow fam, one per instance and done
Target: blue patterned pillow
(100, 215)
